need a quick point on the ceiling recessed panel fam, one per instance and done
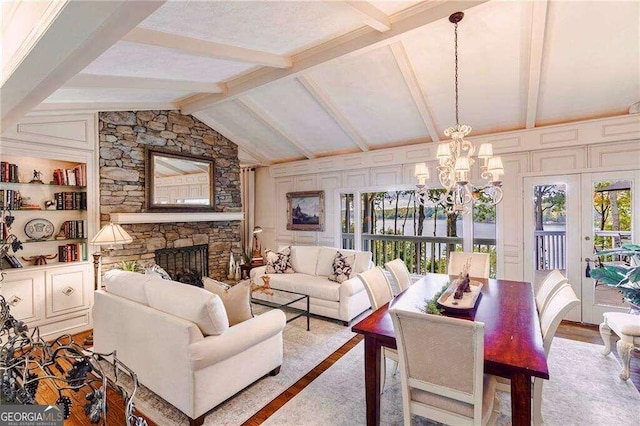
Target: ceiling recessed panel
(492, 55)
(244, 125)
(371, 93)
(591, 62)
(275, 27)
(138, 60)
(113, 95)
(290, 105)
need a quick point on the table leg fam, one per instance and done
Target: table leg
(521, 399)
(372, 355)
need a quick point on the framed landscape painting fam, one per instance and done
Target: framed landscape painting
(305, 211)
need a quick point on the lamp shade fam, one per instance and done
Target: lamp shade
(462, 164)
(486, 150)
(443, 150)
(111, 234)
(495, 165)
(422, 172)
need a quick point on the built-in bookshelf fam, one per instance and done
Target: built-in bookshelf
(47, 200)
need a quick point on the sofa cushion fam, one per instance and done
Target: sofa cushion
(280, 262)
(316, 287)
(342, 267)
(194, 304)
(236, 300)
(304, 259)
(129, 285)
(327, 254)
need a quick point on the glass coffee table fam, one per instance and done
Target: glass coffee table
(297, 298)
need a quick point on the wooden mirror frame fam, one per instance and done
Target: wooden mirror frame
(151, 154)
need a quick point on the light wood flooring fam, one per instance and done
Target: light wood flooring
(115, 415)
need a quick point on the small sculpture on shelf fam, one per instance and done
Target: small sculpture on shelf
(37, 177)
(50, 204)
(464, 283)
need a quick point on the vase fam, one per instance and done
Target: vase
(231, 273)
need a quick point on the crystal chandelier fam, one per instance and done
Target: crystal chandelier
(455, 159)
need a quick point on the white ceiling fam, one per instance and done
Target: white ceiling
(354, 87)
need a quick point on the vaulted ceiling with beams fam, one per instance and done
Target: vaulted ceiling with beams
(294, 80)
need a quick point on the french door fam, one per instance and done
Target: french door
(567, 219)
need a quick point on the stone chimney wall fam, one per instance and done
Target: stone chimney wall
(123, 138)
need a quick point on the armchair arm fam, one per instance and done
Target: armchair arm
(214, 349)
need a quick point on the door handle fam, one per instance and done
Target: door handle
(586, 259)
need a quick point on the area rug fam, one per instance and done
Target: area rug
(303, 350)
(584, 390)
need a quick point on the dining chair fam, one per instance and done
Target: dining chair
(560, 303)
(551, 283)
(442, 369)
(400, 273)
(379, 291)
(479, 263)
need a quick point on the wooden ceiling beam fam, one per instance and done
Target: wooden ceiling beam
(349, 44)
(536, 47)
(263, 116)
(76, 107)
(416, 90)
(52, 54)
(323, 99)
(374, 17)
(119, 82)
(209, 49)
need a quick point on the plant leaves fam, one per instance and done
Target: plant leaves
(607, 276)
(634, 247)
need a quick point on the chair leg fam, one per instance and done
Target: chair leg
(624, 350)
(537, 401)
(605, 333)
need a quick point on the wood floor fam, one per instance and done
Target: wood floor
(115, 415)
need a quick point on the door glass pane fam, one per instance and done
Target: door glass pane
(484, 230)
(347, 225)
(612, 218)
(550, 230)
(395, 225)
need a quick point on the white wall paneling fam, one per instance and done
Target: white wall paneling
(615, 154)
(512, 204)
(282, 186)
(328, 182)
(73, 131)
(391, 175)
(356, 178)
(559, 160)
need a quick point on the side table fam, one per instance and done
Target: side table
(245, 269)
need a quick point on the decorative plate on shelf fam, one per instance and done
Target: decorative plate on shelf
(39, 229)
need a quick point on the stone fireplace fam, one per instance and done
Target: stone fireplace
(123, 138)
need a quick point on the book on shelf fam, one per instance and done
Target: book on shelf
(71, 200)
(8, 172)
(76, 176)
(12, 261)
(10, 199)
(72, 252)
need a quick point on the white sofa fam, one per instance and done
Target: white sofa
(313, 265)
(177, 339)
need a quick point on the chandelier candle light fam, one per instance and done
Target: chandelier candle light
(455, 159)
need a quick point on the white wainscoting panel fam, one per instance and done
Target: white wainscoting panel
(615, 154)
(390, 175)
(512, 206)
(356, 178)
(559, 160)
(73, 131)
(283, 185)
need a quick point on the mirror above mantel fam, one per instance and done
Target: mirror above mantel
(178, 182)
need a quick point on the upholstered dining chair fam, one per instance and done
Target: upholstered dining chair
(559, 304)
(479, 263)
(400, 273)
(379, 290)
(442, 369)
(551, 283)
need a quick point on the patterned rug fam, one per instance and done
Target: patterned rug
(584, 390)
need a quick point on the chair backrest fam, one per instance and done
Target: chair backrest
(561, 302)
(443, 357)
(400, 273)
(548, 287)
(377, 285)
(479, 263)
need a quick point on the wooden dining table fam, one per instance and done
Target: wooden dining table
(513, 345)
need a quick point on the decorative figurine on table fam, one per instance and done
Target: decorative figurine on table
(37, 177)
(464, 285)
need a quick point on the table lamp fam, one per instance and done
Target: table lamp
(257, 256)
(110, 235)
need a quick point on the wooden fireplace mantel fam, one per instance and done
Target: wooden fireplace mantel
(129, 218)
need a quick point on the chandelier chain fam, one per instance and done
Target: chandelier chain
(455, 32)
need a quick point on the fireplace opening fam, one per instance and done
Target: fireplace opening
(181, 259)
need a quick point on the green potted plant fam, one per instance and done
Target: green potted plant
(625, 278)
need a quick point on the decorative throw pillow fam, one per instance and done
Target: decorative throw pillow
(280, 262)
(342, 267)
(236, 299)
(158, 271)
